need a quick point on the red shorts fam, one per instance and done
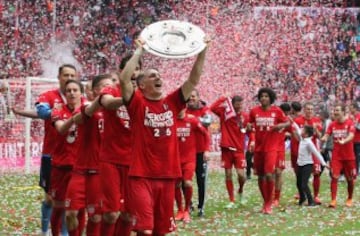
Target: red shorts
(264, 162)
(152, 204)
(348, 166)
(114, 180)
(60, 178)
(83, 192)
(316, 166)
(280, 160)
(188, 170)
(231, 158)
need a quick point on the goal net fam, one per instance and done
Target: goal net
(21, 138)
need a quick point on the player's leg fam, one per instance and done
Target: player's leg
(336, 168)
(111, 183)
(178, 200)
(240, 166)
(188, 174)
(249, 163)
(44, 182)
(141, 204)
(350, 171)
(280, 166)
(201, 174)
(269, 171)
(163, 200)
(227, 163)
(306, 173)
(317, 170)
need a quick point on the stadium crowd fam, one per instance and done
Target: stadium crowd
(288, 45)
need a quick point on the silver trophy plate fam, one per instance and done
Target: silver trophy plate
(173, 39)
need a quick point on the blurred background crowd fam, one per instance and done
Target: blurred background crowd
(305, 50)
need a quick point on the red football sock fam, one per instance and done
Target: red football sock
(316, 185)
(261, 184)
(269, 190)
(350, 188)
(230, 189)
(333, 187)
(56, 220)
(188, 196)
(178, 198)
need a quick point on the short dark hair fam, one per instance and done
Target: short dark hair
(341, 105)
(75, 82)
(66, 65)
(296, 106)
(96, 80)
(309, 130)
(324, 114)
(285, 107)
(269, 91)
(139, 78)
(355, 104)
(125, 60)
(236, 98)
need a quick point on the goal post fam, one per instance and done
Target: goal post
(31, 94)
(21, 138)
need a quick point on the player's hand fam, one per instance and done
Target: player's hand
(206, 156)
(207, 40)
(14, 110)
(341, 141)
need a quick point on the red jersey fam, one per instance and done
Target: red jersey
(263, 121)
(187, 129)
(201, 145)
(116, 145)
(55, 100)
(340, 131)
(154, 141)
(233, 129)
(90, 132)
(67, 145)
(294, 143)
(280, 137)
(357, 132)
(301, 121)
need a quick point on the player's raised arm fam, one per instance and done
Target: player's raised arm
(195, 73)
(127, 87)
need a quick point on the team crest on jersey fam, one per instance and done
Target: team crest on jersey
(273, 114)
(58, 105)
(188, 124)
(165, 106)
